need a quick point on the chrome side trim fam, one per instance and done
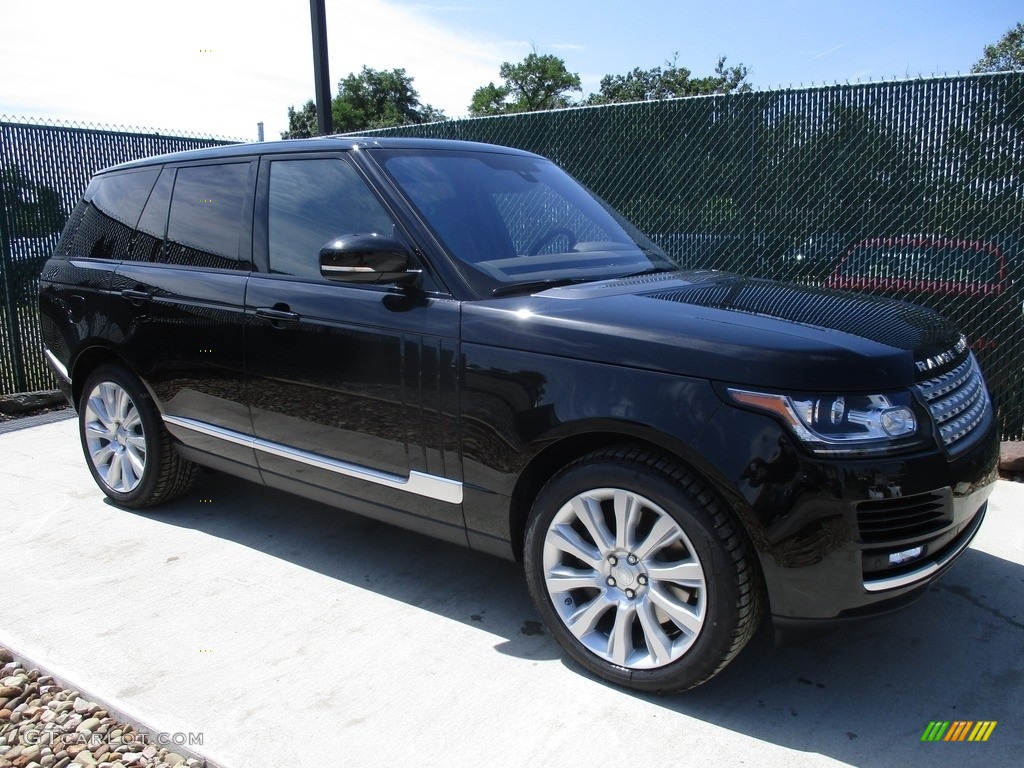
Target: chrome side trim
(57, 365)
(905, 579)
(238, 438)
(419, 483)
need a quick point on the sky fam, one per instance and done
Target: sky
(221, 66)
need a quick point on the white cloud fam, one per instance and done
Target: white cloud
(217, 67)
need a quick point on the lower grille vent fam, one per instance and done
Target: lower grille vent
(905, 517)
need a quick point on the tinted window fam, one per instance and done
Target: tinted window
(104, 221)
(313, 202)
(206, 215)
(153, 222)
(941, 261)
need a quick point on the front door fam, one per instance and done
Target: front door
(352, 388)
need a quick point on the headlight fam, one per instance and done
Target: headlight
(840, 424)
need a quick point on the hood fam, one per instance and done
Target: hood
(723, 327)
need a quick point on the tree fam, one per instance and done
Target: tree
(671, 82)
(1006, 55)
(540, 81)
(33, 210)
(371, 99)
(302, 124)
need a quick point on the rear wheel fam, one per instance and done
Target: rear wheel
(640, 572)
(128, 449)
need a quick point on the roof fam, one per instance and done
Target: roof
(319, 144)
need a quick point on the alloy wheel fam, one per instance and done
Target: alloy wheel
(624, 578)
(114, 436)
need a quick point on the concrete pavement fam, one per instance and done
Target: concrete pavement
(287, 633)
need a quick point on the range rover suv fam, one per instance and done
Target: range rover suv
(460, 339)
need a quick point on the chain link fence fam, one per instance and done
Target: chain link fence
(44, 169)
(910, 189)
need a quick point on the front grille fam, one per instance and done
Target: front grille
(905, 517)
(958, 403)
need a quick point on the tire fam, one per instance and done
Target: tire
(640, 572)
(127, 448)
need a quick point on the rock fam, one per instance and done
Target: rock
(5, 714)
(82, 706)
(149, 752)
(9, 691)
(1011, 456)
(85, 758)
(88, 725)
(173, 758)
(5, 656)
(31, 752)
(23, 402)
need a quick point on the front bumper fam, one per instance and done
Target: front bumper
(848, 538)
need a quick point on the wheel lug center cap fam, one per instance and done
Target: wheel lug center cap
(624, 575)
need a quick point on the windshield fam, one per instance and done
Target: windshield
(515, 220)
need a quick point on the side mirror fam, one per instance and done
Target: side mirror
(367, 259)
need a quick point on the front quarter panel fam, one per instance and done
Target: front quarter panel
(516, 403)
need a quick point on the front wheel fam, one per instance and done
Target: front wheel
(639, 571)
(128, 450)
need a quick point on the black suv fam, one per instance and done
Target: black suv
(460, 339)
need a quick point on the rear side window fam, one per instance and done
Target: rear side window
(153, 222)
(102, 224)
(312, 202)
(204, 226)
(939, 261)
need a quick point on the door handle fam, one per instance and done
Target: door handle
(276, 316)
(137, 297)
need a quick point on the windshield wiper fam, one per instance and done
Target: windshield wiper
(532, 286)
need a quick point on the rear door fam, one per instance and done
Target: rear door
(177, 308)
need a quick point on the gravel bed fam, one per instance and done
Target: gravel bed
(44, 725)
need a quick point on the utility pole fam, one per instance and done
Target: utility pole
(320, 74)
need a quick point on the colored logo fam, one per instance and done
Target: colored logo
(959, 730)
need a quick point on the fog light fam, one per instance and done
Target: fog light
(906, 556)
